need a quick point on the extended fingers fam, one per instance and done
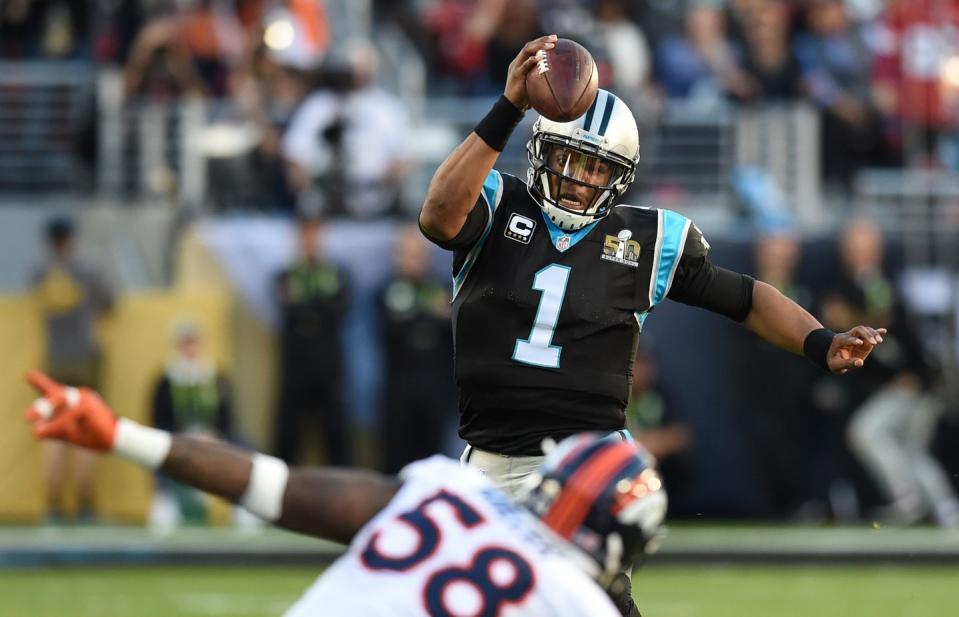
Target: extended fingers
(847, 339)
(543, 42)
(55, 429)
(529, 51)
(867, 334)
(53, 396)
(43, 384)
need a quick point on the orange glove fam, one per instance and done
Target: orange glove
(75, 415)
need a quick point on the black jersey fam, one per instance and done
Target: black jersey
(546, 322)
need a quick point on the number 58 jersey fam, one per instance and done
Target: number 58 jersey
(451, 544)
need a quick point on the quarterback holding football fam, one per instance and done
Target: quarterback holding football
(553, 280)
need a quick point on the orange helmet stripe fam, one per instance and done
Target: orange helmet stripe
(583, 488)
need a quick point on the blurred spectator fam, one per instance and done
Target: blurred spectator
(782, 428)
(836, 61)
(653, 421)
(189, 51)
(267, 93)
(777, 255)
(767, 52)
(70, 293)
(710, 25)
(649, 417)
(419, 398)
(917, 79)
(191, 396)
(627, 48)
(514, 22)
(460, 31)
(404, 15)
(116, 25)
(313, 296)
(693, 53)
(18, 29)
(52, 29)
(891, 432)
(348, 145)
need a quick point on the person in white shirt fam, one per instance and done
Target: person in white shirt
(349, 144)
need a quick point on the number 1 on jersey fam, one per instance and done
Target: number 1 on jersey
(538, 349)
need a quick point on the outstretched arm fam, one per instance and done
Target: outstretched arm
(789, 326)
(457, 183)
(322, 502)
(327, 503)
(778, 319)
(762, 309)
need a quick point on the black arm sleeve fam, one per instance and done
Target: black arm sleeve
(471, 232)
(699, 283)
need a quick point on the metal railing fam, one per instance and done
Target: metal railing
(43, 108)
(917, 207)
(148, 149)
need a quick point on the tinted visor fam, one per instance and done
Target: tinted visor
(581, 167)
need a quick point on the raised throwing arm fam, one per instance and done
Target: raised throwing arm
(457, 183)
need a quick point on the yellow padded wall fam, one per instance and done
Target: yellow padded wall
(136, 340)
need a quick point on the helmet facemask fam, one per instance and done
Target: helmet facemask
(575, 181)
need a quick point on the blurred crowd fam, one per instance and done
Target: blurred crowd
(309, 129)
(859, 445)
(884, 74)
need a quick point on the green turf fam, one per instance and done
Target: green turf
(663, 592)
(798, 592)
(151, 592)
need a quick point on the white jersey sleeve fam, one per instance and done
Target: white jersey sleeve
(450, 544)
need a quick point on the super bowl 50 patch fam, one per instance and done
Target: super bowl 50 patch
(621, 249)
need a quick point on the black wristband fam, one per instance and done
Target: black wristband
(496, 127)
(816, 346)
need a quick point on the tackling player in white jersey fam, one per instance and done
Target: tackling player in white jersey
(440, 540)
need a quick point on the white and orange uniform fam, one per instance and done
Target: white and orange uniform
(451, 544)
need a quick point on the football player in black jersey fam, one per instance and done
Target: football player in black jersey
(553, 282)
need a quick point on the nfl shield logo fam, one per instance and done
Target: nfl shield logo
(562, 243)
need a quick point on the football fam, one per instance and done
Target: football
(564, 81)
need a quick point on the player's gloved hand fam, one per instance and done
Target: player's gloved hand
(849, 350)
(75, 415)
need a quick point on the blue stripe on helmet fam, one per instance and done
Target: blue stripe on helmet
(589, 114)
(610, 101)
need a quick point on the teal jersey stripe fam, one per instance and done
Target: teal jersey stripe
(492, 192)
(673, 233)
(555, 232)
